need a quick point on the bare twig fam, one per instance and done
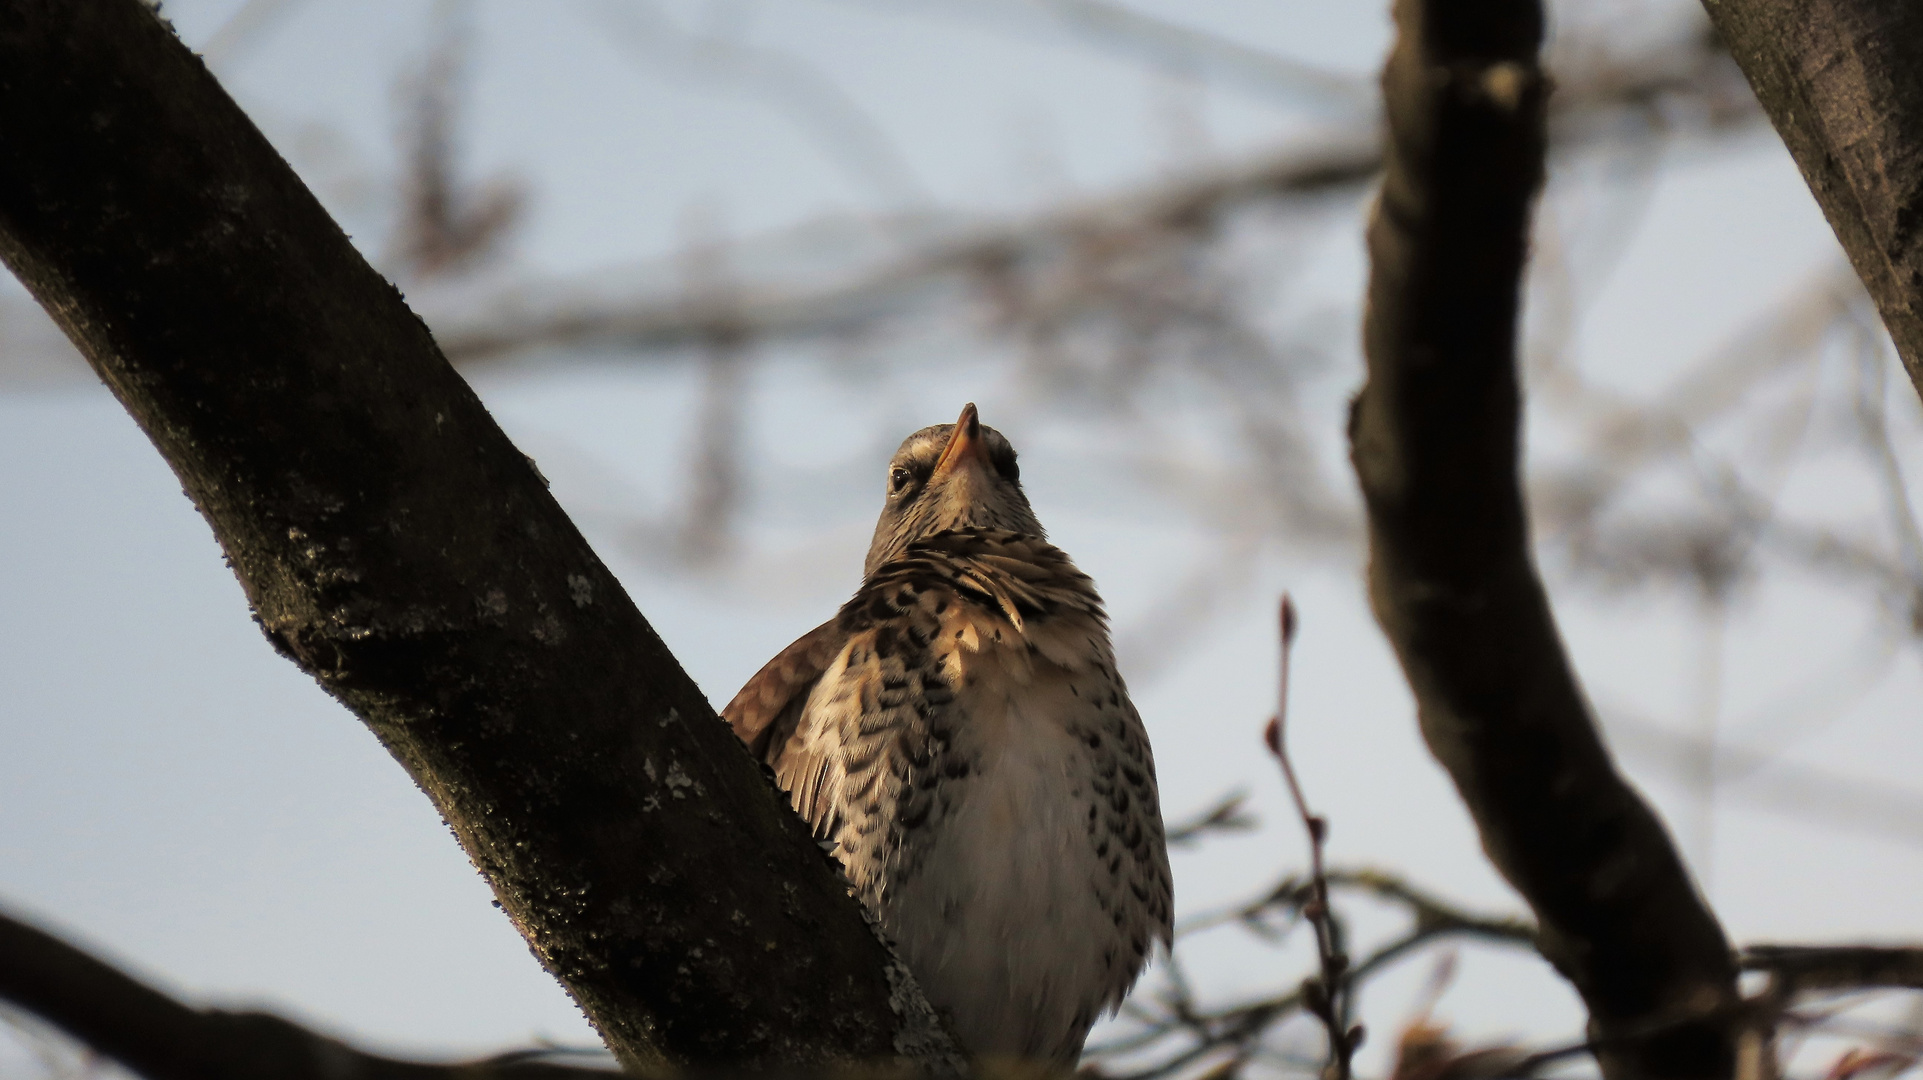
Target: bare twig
(1326, 994)
(1176, 1033)
(1229, 814)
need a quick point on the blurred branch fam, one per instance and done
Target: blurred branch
(163, 1039)
(1872, 421)
(867, 274)
(1759, 779)
(1231, 814)
(445, 227)
(1627, 433)
(1435, 443)
(1426, 1051)
(245, 27)
(1717, 541)
(1432, 915)
(1185, 50)
(841, 127)
(1812, 968)
(716, 482)
(1429, 914)
(1690, 86)
(1157, 639)
(1168, 1031)
(1174, 1032)
(832, 301)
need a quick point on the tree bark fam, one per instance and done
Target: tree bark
(159, 1038)
(395, 544)
(1842, 80)
(1435, 442)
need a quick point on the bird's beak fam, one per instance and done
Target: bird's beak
(966, 446)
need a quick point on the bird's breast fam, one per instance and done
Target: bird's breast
(973, 754)
(1009, 914)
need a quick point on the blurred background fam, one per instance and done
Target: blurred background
(708, 261)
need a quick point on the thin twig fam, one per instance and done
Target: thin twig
(1326, 994)
(1229, 814)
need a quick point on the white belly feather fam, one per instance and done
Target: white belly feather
(997, 924)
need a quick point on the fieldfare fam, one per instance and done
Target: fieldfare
(960, 734)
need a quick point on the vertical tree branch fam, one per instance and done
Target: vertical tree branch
(1435, 443)
(1842, 80)
(397, 546)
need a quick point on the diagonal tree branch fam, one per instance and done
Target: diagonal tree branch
(160, 1038)
(1842, 80)
(1435, 442)
(396, 545)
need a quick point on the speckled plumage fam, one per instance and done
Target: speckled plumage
(960, 732)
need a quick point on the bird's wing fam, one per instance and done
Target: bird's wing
(886, 696)
(764, 713)
(856, 762)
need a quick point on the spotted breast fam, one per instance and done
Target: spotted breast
(960, 732)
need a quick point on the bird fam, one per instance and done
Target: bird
(960, 739)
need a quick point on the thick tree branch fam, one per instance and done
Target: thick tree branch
(1806, 968)
(1434, 438)
(396, 545)
(150, 1033)
(1842, 80)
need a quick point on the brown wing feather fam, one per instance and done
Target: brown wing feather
(764, 713)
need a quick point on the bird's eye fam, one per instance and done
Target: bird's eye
(898, 480)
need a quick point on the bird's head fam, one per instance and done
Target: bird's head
(950, 476)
